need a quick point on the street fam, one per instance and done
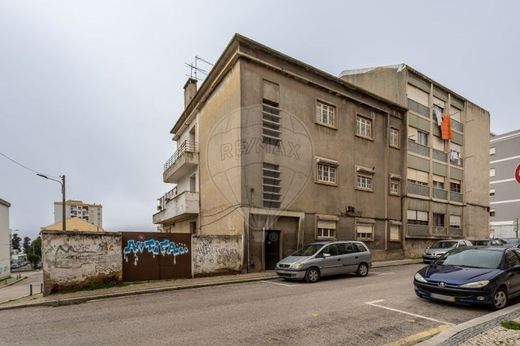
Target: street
(21, 289)
(348, 310)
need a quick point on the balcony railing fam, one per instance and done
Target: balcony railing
(439, 194)
(457, 126)
(168, 196)
(419, 108)
(456, 232)
(439, 155)
(418, 148)
(418, 189)
(456, 196)
(182, 206)
(418, 230)
(439, 231)
(187, 146)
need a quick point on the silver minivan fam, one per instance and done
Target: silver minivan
(326, 258)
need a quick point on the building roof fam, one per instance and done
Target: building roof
(227, 56)
(504, 136)
(78, 202)
(74, 224)
(5, 203)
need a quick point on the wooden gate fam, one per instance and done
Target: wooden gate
(156, 256)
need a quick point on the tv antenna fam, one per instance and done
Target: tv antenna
(196, 71)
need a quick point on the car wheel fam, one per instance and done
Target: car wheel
(362, 270)
(500, 299)
(312, 275)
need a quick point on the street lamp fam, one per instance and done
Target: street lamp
(62, 182)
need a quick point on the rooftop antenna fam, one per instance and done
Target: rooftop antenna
(195, 68)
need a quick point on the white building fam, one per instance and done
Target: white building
(92, 213)
(5, 240)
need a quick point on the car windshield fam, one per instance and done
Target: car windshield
(475, 258)
(308, 250)
(443, 245)
(480, 242)
(513, 240)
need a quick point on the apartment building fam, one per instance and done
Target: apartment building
(504, 193)
(446, 184)
(90, 212)
(5, 240)
(284, 154)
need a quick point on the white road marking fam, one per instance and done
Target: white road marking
(278, 283)
(374, 303)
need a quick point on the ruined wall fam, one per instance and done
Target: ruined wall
(216, 254)
(73, 260)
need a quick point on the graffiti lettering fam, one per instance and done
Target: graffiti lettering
(155, 247)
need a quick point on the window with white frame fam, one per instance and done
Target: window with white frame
(422, 138)
(492, 151)
(417, 217)
(395, 232)
(454, 221)
(492, 172)
(394, 138)
(492, 193)
(394, 187)
(325, 114)
(326, 229)
(365, 231)
(326, 173)
(364, 182)
(363, 127)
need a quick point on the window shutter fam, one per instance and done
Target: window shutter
(327, 224)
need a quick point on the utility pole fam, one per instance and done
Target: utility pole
(62, 182)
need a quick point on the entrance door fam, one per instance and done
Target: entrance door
(272, 249)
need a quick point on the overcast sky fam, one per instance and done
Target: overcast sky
(91, 89)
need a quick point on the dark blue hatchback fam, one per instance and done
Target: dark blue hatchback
(472, 275)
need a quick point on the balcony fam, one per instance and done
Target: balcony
(182, 162)
(439, 155)
(418, 189)
(456, 232)
(457, 126)
(440, 194)
(416, 148)
(439, 231)
(418, 230)
(455, 196)
(419, 108)
(177, 207)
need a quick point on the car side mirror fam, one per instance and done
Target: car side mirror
(325, 255)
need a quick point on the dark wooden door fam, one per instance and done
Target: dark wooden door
(272, 249)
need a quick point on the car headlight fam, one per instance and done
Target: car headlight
(476, 284)
(419, 278)
(297, 266)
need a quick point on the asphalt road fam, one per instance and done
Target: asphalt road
(333, 311)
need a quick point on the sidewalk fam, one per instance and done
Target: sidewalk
(126, 289)
(13, 279)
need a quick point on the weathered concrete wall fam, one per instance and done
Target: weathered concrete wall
(5, 263)
(72, 260)
(216, 254)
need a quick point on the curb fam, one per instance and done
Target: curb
(14, 282)
(79, 300)
(447, 334)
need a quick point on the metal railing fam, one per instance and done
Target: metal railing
(419, 108)
(168, 196)
(418, 230)
(418, 189)
(439, 193)
(439, 230)
(186, 146)
(439, 155)
(455, 196)
(456, 125)
(418, 148)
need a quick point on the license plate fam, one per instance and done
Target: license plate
(442, 297)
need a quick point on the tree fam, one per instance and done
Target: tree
(26, 244)
(15, 241)
(34, 255)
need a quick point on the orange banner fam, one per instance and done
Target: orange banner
(446, 127)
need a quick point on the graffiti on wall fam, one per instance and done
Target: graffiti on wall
(154, 247)
(212, 254)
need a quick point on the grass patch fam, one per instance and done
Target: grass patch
(511, 325)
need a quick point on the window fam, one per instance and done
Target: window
(394, 187)
(325, 114)
(422, 138)
(332, 250)
(438, 185)
(364, 182)
(417, 217)
(492, 193)
(492, 151)
(512, 259)
(492, 213)
(326, 173)
(363, 127)
(395, 231)
(270, 122)
(438, 220)
(326, 229)
(492, 172)
(417, 177)
(394, 138)
(364, 232)
(455, 186)
(454, 221)
(271, 185)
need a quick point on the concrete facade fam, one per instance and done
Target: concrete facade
(287, 155)
(216, 254)
(90, 212)
(504, 190)
(73, 260)
(5, 240)
(445, 181)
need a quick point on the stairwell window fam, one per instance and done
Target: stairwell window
(326, 171)
(394, 138)
(364, 127)
(394, 187)
(325, 114)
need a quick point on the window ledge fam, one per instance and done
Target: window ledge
(394, 147)
(326, 183)
(365, 137)
(364, 190)
(333, 127)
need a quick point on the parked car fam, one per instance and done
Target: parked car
(472, 275)
(512, 242)
(320, 259)
(488, 242)
(439, 248)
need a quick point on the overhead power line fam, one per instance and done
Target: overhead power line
(20, 164)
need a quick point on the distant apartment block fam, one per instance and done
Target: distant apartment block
(5, 240)
(89, 212)
(504, 192)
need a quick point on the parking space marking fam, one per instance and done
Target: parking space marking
(375, 303)
(278, 283)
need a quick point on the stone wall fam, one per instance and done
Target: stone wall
(74, 260)
(216, 255)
